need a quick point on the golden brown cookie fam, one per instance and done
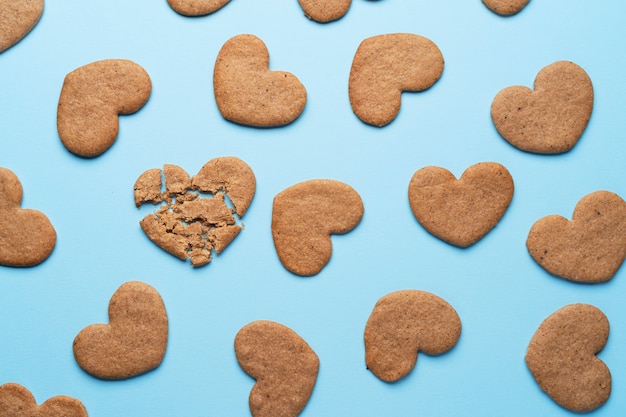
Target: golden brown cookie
(133, 342)
(282, 363)
(27, 237)
(196, 7)
(589, 248)
(196, 218)
(461, 211)
(383, 67)
(248, 93)
(562, 357)
(403, 323)
(303, 218)
(549, 119)
(325, 11)
(17, 19)
(91, 99)
(505, 7)
(17, 401)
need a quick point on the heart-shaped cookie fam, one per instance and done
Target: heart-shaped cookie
(27, 237)
(17, 401)
(282, 363)
(562, 357)
(462, 211)
(196, 7)
(325, 11)
(92, 98)
(505, 7)
(17, 19)
(589, 248)
(133, 342)
(383, 67)
(196, 217)
(248, 93)
(403, 323)
(303, 218)
(549, 119)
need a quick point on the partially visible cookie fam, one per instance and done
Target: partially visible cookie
(325, 11)
(17, 401)
(17, 19)
(562, 357)
(248, 93)
(27, 237)
(91, 99)
(461, 211)
(303, 218)
(403, 323)
(196, 7)
(385, 66)
(133, 342)
(505, 7)
(589, 248)
(282, 363)
(551, 118)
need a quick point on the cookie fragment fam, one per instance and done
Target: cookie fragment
(324, 11)
(403, 323)
(196, 7)
(589, 248)
(505, 7)
(133, 342)
(27, 237)
(282, 363)
(17, 401)
(17, 19)
(383, 67)
(562, 357)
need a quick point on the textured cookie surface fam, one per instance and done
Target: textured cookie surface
(325, 11)
(282, 363)
(92, 98)
(133, 342)
(17, 19)
(505, 7)
(27, 237)
(196, 219)
(562, 357)
(461, 211)
(403, 323)
(386, 65)
(17, 401)
(196, 7)
(551, 118)
(589, 248)
(303, 218)
(248, 93)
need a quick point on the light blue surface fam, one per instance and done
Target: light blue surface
(499, 292)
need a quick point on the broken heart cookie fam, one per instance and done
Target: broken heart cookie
(133, 342)
(403, 323)
(589, 248)
(505, 7)
(383, 67)
(303, 218)
(17, 401)
(195, 218)
(92, 98)
(461, 211)
(196, 7)
(17, 19)
(282, 363)
(27, 237)
(562, 357)
(549, 119)
(248, 93)
(324, 11)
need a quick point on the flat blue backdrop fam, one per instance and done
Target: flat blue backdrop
(499, 292)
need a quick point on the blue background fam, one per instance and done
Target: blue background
(499, 292)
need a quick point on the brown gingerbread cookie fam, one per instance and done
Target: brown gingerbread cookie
(461, 211)
(324, 11)
(17, 401)
(92, 98)
(17, 19)
(282, 363)
(549, 119)
(248, 93)
(505, 7)
(589, 248)
(27, 237)
(196, 7)
(304, 217)
(385, 66)
(562, 357)
(133, 342)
